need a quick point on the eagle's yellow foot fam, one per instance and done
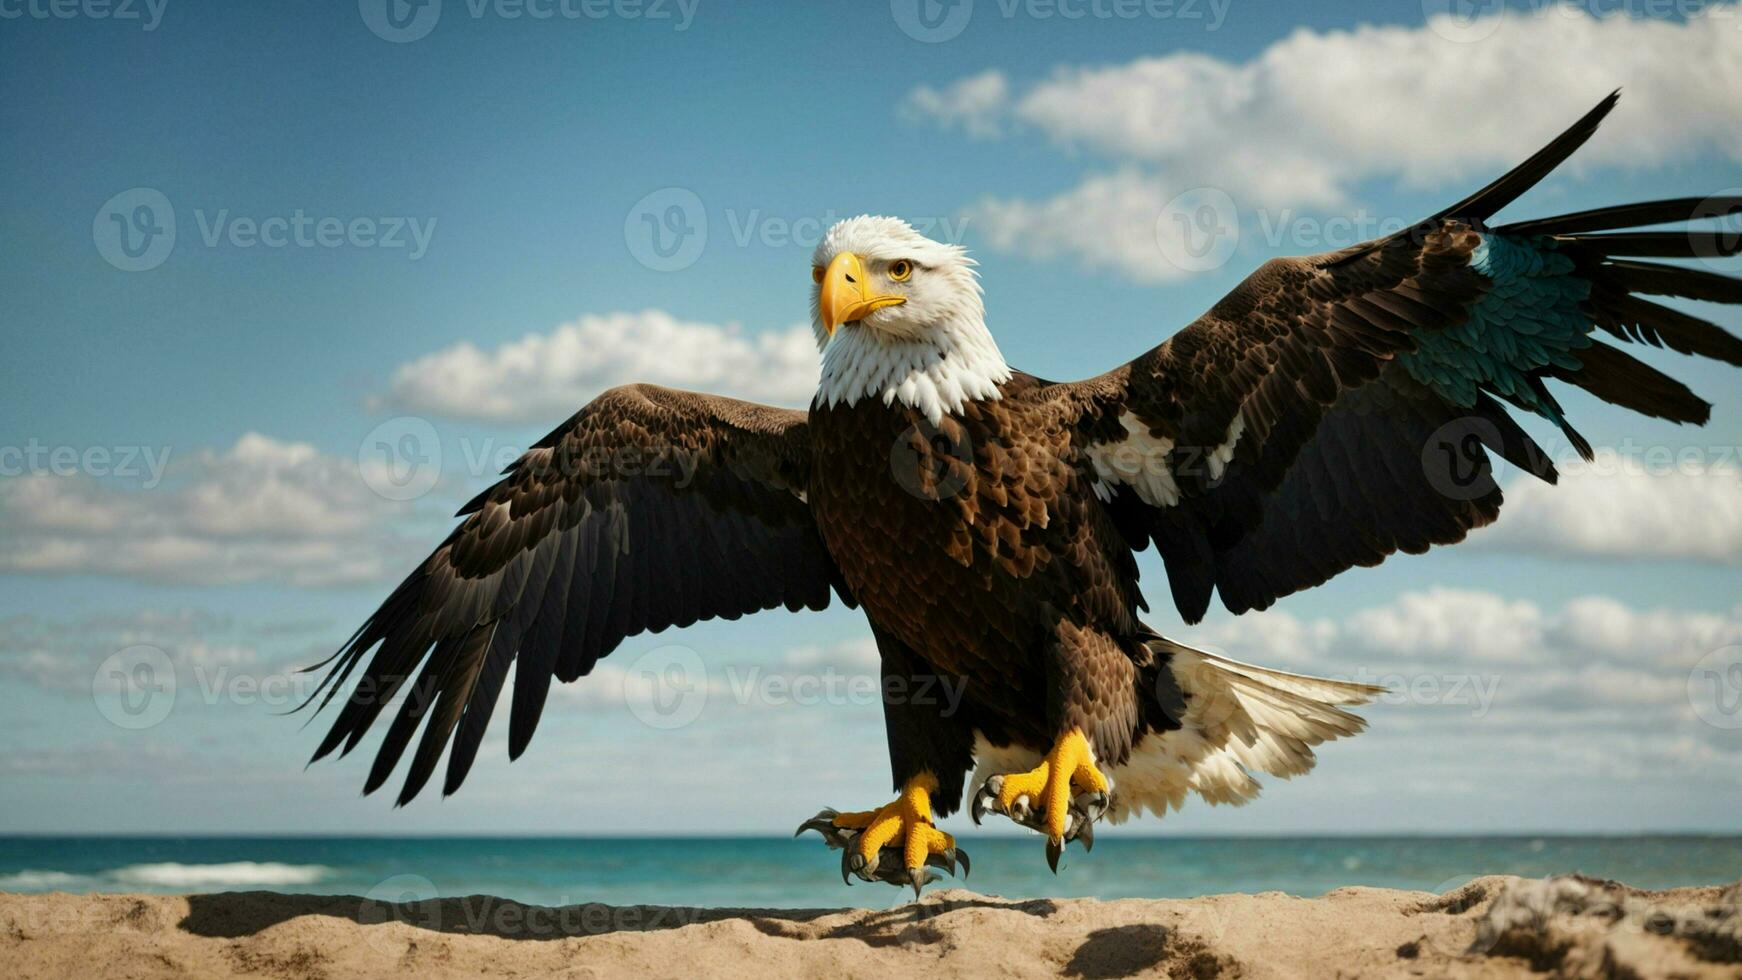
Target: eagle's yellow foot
(1062, 797)
(897, 843)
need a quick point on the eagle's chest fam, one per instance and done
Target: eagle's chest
(939, 529)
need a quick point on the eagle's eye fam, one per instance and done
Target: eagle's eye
(817, 274)
(900, 269)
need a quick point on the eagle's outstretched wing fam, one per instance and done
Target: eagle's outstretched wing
(1334, 409)
(649, 508)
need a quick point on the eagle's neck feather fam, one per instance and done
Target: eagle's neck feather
(936, 374)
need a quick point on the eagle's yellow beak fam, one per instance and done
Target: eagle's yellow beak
(847, 294)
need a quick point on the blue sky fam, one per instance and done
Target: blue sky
(527, 153)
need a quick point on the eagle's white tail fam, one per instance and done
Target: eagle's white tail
(1239, 719)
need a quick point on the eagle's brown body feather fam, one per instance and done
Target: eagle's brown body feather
(978, 545)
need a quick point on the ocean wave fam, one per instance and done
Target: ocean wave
(234, 873)
(29, 880)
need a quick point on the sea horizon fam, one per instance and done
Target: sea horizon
(767, 871)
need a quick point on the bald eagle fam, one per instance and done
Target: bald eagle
(1331, 410)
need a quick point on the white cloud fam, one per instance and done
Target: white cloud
(1527, 705)
(975, 104)
(63, 655)
(546, 377)
(1300, 123)
(622, 683)
(841, 673)
(1450, 625)
(1441, 624)
(1380, 101)
(1472, 626)
(262, 510)
(1617, 508)
(858, 656)
(1485, 663)
(1108, 222)
(119, 663)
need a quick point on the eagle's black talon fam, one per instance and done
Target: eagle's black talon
(825, 816)
(986, 799)
(1028, 817)
(824, 824)
(944, 859)
(878, 845)
(1086, 809)
(1093, 805)
(949, 859)
(954, 860)
(918, 878)
(886, 867)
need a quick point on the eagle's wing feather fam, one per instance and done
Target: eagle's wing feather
(649, 508)
(1238, 719)
(1334, 409)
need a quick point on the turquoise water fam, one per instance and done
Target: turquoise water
(768, 872)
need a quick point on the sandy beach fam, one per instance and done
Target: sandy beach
(1490, 927)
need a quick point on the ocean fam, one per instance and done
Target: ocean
(782, 873)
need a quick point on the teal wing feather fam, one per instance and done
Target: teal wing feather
(1335, 409)
(1531, 318)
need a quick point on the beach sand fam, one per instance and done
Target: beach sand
(1490, 927)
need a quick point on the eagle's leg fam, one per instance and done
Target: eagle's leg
(931, 749)
(897, 843)
(1062, 797)
(1091, 708)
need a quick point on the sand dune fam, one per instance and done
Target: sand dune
(1492, 927)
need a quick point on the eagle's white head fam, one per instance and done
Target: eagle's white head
(900, 317)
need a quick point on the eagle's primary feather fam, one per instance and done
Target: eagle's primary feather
(1330, 411)
(649, 508)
